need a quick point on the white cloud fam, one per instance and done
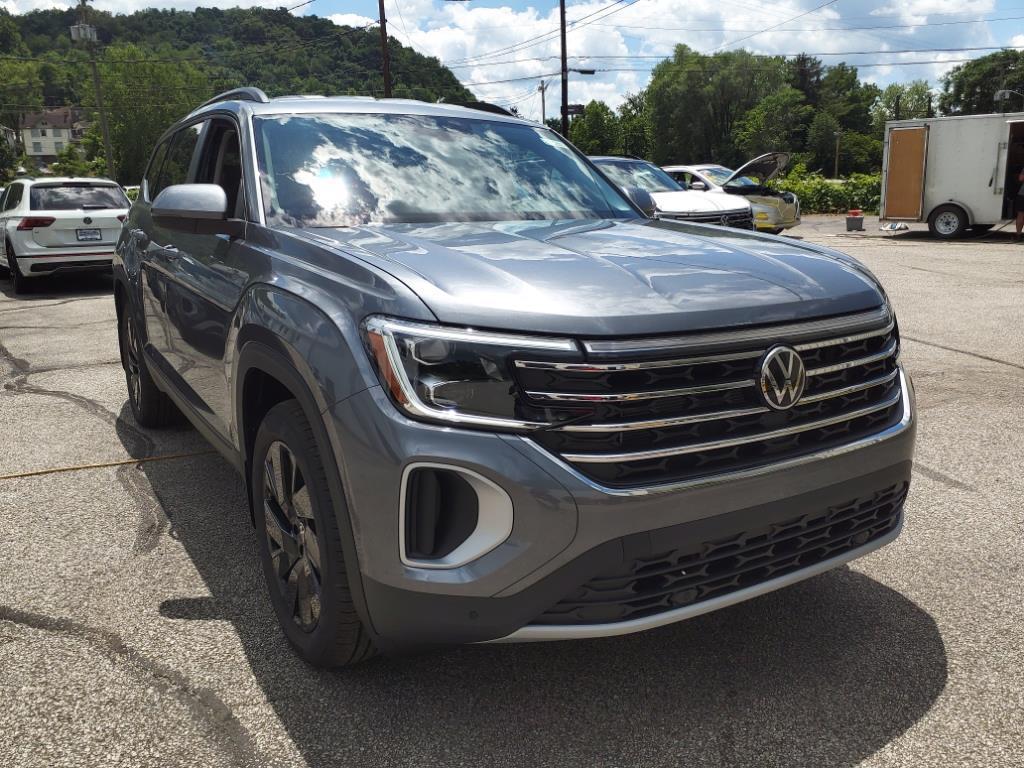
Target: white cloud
(462, 34)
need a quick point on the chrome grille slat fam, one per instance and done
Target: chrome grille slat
(845, 339)
(596, 397)
(828, 395)
(612, 458)
(889, 351)
(646, 365)
(661, 423)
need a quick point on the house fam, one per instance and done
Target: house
(45, 134)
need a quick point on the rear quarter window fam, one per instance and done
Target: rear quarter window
(74, 197)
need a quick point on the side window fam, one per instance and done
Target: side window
(179, 157)
(221, 163)
(13, 197)
(149, 179)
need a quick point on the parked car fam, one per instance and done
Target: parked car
(59, 225)
(674, 201)
(774, 211)
(477, 395)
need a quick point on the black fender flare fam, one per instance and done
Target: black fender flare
(263, 351)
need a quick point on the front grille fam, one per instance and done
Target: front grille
(738, 220)
(685, 577)
(663, 411)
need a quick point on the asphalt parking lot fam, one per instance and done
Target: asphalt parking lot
(134, 627)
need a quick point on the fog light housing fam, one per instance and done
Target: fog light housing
(449, 516)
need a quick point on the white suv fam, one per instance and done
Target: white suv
(60, 224)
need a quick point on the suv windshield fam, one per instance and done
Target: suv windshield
(336, 170)
(638, 174)
(76, 196)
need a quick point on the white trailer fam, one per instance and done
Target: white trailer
(953, 172)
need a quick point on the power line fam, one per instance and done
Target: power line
(815, 29)
(775, 26)
(551, 34)
(668, 56)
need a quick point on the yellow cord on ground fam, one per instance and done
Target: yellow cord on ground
(165, 457)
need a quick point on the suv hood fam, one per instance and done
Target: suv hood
(695, 201)
(608, 277)
(764, 167)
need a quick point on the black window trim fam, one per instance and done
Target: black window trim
(172, 136)
(206, 136)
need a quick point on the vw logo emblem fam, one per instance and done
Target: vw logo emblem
(725, 220)
(783, 377)
(87, 220)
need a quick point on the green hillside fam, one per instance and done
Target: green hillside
(157, 65)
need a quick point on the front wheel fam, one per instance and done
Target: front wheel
(948, 222)
(300, 546)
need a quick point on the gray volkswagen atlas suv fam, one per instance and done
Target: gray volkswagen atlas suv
(477, 395)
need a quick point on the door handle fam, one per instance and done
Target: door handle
(170, 251)
(140, 238)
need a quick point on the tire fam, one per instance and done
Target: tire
(151, 407)
(18, 281)
(947, 222)
(300, 545)
(778, 230)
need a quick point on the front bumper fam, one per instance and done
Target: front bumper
(566, 529)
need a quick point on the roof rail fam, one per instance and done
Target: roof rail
(483, 106)
(247, 93)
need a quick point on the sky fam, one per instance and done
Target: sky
(479, 39)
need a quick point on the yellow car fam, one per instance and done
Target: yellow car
(774, 211)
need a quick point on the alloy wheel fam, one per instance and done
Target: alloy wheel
(291, 530)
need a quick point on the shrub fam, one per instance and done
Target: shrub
(820, 195)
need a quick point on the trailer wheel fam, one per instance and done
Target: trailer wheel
(948, 222)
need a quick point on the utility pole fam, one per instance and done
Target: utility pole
(82, 32)
(835, 175)
(543, 87)
(384, 55)
(565, 75)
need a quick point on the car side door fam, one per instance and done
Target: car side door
(160, 252)
(205, 281)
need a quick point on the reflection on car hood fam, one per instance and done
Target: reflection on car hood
(764, 167)
(695, 201)
(604, 277)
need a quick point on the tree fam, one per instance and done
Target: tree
(695, 102)
(969, 88)
(901, 101)
(777, 123)
(847, 98)
(73, 161)
(595, 131)
(805, 73)
(821, 141)
(634, 126)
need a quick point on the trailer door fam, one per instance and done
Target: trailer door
(904, 177)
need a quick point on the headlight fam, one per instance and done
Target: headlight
(459, 375)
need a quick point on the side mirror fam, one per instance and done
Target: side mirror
(642, 199)
(699, 185)
(196, 208)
